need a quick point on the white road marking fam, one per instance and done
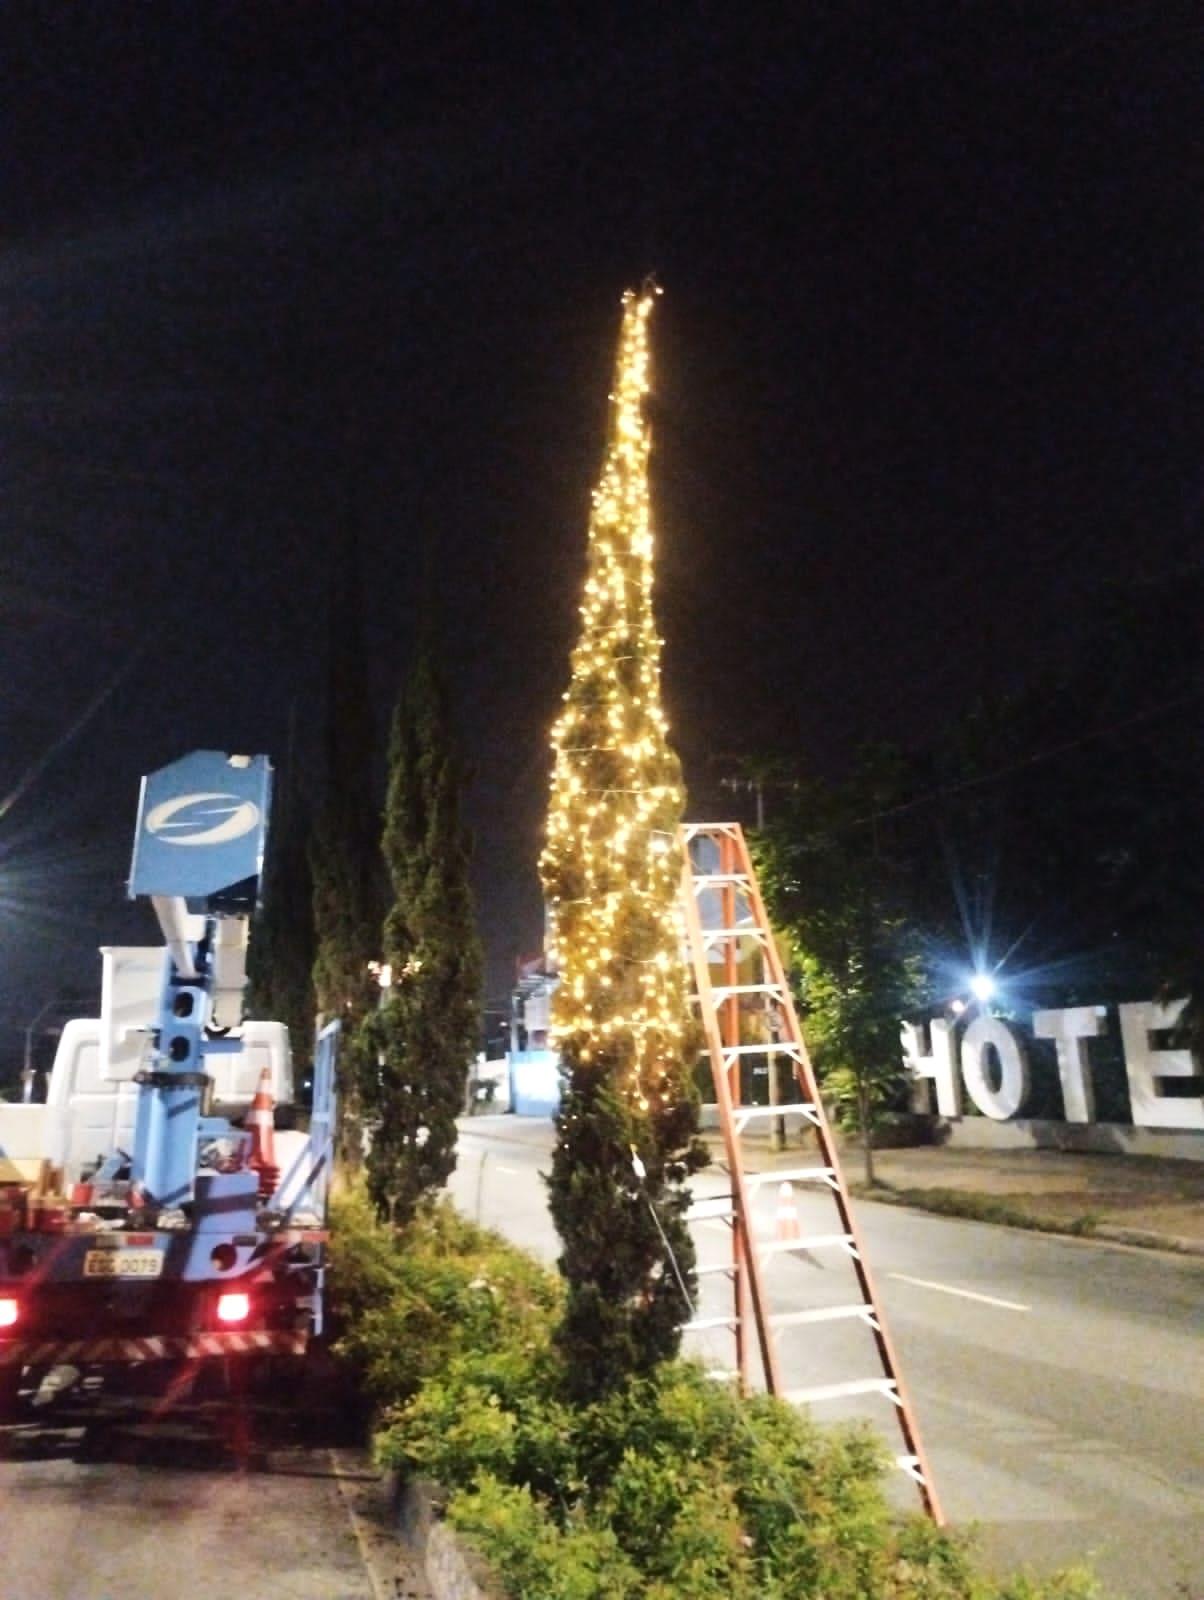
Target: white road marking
(965, 1294)
(511, 1172)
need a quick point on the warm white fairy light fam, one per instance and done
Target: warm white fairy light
(608, 867)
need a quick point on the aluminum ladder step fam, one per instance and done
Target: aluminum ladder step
(713, 936)
(913, 1467)
(798, 1319)
(841, 1391)
(816, 1241)
(782, 1047)
(737, 968)
(725, 991)
(797, 1108)
(757, 1180)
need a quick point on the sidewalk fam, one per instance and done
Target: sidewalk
(1137, 1200)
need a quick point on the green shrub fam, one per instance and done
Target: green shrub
(407, 1301)
(670, 1488)
(535, 1557)
(679, 1522)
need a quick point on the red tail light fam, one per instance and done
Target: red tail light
(10, 1310)
(231, 1307)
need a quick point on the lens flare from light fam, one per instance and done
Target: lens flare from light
(983, 987)
(9, 1312)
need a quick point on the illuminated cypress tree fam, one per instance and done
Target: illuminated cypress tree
(611, 871)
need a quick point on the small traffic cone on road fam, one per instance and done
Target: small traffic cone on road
(787, 1224)
(261, 1124)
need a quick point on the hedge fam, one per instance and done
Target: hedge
(671, 1489)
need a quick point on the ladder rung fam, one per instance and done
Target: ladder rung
(744, 939)
(724, 991)
(911, 1466)
(783, 1047)
(791, 1108)
(839, 1391)
(802, 1108)
(797, 1319)
(818, 1241)
(758, 1180)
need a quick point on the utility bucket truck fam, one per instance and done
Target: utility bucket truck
(150, 1210)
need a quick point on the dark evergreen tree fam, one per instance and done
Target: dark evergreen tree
(345, 854)
(627, 1122)
(414, 1053)
(839, 893)
(280, 956)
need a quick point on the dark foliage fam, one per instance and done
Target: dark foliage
(413, 1054)
(280, 956)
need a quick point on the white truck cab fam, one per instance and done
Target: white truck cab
(92, 1098)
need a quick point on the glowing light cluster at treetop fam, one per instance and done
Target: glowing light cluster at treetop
(610, 866)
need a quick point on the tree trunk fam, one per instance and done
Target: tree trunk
(867, 1130)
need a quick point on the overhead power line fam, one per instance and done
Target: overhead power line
(793, 784)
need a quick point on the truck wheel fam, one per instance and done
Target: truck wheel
(10, 1384)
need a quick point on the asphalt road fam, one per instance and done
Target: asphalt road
(133, 1497)
(1059, 1383)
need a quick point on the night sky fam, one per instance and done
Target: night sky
(928, 375)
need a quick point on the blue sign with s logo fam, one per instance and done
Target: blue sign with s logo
(202, 825)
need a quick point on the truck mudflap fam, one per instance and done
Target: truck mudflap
(167, 1347)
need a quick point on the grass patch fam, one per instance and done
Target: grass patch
(976, 1207)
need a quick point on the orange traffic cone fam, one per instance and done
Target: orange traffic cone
(787, 1224)
(261, 1123)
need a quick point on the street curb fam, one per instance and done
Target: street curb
(1102, 1233)
(452, 1571)
(1144, 1239)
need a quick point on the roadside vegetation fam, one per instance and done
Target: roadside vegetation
(1045, 840)
(667, 1488)
(976, 1207)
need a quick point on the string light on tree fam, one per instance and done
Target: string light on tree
(628, 1116)
(609, 868)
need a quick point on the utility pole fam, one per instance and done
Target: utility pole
(27, 1073)
(754, 786)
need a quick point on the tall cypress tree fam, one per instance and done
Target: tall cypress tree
(628, 1117)
(345, 853)
(414, 1053)
(280, 956)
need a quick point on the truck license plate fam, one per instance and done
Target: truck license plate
(123, 1264)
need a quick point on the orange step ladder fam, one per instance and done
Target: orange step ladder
(730, 939)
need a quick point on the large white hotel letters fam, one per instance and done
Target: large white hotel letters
(995, 1070)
